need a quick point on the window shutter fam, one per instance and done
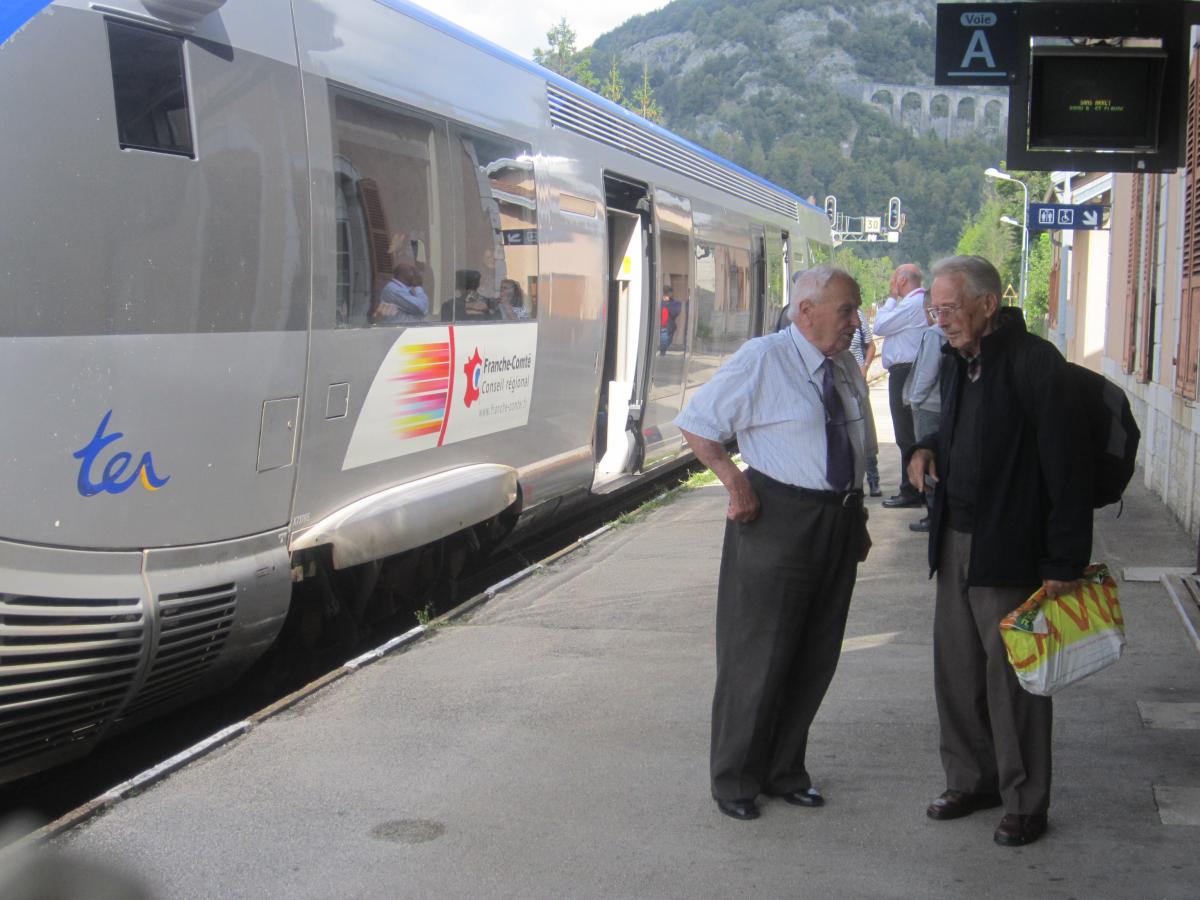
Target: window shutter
(1147, 279)
(1189, 307)
(372, 204)
(1132, 279)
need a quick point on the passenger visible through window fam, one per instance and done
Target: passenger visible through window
(495, 239)
(387, 206)
(150, 90)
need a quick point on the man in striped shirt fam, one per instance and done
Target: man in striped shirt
(794, 536)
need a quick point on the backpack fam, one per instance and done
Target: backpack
(1112, 433)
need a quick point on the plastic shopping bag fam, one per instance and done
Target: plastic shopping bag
(1054, 643)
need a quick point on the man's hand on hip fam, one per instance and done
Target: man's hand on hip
(743, 501)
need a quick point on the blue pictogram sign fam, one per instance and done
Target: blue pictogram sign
(1065, 217)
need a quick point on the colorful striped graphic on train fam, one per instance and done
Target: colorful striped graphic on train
(424, 393)
(414, 403)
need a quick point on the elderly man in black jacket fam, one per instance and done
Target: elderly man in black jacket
(1012, 511)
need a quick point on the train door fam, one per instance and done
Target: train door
(618, 443)
(674, 269)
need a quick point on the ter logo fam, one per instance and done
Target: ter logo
(110, 479)
(471, 370)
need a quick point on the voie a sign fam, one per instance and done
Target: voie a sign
(976, 44)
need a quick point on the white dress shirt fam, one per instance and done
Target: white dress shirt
(902, 323)
(769, 395)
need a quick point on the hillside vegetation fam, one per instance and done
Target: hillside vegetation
(772, 85)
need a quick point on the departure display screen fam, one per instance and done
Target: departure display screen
(1095, 98)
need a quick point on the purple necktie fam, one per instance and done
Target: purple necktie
(839, 457)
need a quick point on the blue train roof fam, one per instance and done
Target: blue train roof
(15, 13)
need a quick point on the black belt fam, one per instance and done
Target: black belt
(845, 499)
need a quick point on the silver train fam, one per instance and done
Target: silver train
(326, 292)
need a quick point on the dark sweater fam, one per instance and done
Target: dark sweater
(1032, 509)
(964, 459)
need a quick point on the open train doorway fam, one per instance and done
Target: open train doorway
(619, 448)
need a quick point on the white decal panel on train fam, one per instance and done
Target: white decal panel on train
(442, 385)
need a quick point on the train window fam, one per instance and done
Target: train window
(495, 237)
(385, 174)
(722, 299)
(150, 89)
(733, 295)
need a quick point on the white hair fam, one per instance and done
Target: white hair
(979, 275)
(810, 284)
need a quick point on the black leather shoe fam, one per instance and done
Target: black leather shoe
(876, 492)
(922, 525)
(956, 804)
(739, 809)
(804, 797)
(1017, 831)
(903, 501)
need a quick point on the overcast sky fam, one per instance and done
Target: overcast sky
(523, 26)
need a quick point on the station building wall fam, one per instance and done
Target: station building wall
(1151, 316)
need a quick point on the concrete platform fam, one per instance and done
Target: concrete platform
(555, 744)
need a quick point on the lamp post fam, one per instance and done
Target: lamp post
(995, 173)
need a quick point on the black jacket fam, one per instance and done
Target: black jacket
(1033, 510)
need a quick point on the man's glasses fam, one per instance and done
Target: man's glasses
(940, 313)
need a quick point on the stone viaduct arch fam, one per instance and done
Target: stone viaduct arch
(947, 111)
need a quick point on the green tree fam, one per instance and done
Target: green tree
(644, 103)
(563, 57)
(985, 236)
(873, 274)
(560, 53)
(1037, 295)
(614, 85)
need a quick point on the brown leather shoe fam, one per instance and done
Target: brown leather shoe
(1016, 831)
(956, 804)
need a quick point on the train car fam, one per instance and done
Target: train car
(324, 292)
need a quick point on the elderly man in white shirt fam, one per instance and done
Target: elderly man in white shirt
(901, 322)
(794, 536)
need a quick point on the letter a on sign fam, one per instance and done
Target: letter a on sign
(976, 44)
(978, 49)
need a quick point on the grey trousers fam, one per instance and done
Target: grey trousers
(995, 736)
(784, 592)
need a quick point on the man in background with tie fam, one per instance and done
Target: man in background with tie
(794, 536)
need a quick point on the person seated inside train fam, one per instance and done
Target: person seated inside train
(512, 300)
(468, 304)
(403, 298)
